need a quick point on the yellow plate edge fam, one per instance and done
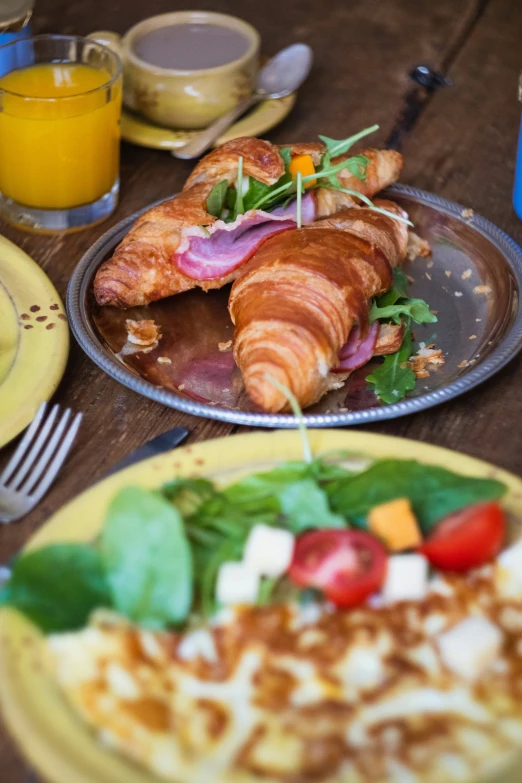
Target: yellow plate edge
(55, 741)
(42, 354)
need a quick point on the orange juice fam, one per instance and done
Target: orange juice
(59, 135)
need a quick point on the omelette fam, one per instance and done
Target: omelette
(420, 691)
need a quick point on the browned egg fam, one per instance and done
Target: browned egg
(289, 694)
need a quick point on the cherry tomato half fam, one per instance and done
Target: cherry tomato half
(347, 565)
(466, 539)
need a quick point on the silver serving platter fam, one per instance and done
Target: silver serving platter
(472, 280)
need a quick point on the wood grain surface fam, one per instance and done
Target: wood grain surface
(459, 142)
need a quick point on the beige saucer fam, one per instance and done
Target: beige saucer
(138, 130)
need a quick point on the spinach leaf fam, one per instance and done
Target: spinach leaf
(434, 492)
(305, 506)
(216, 198)
(147, 559)
(58, 586)
(257, 191)
(416, 309)
(393, 379)
(259, 486)
(286, 154)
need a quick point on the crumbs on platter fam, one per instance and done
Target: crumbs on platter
(145, 332)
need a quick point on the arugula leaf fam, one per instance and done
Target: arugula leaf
(266, 590)
(57, 586)
(228, 550)
(399, 289)
(188, 494)
(336, 147)
(305, 506)
(434, 492)
(416, 309)
(393, 379)
(216, 198)
(147, 559)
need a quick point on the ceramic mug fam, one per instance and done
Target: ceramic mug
(184, 98)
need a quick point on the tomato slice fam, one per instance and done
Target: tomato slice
(466, 539)
(347, 565)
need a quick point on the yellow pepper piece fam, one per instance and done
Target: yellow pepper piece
(305, 165)
(395, 524)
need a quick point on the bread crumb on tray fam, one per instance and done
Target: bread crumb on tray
(417, 247)
(145, 332)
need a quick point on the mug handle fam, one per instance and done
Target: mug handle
(110, 39)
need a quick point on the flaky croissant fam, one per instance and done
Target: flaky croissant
(297, 298)
(146, 265)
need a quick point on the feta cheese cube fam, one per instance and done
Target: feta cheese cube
(508, 571)
(269, 550)
(406, 579)
(470, 647)
(237, 583)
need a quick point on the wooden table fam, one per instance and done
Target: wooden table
(459, 142)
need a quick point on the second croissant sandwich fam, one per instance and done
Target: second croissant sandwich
(297, 299)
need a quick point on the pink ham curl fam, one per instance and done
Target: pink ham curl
(231, 245)
(308, 209)
(357, 352)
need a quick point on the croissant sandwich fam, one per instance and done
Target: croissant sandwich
(237, 197)
(295, 302)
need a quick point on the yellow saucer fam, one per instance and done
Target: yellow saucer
(34, 339)
(54, 740)
(138, 130)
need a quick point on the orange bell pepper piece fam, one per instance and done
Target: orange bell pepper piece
(305, 165)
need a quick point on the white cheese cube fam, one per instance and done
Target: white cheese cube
(406, 579)
(269, 550)
(470, 647)
(508, 571)
(237, 583)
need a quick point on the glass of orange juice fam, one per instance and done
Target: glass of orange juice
(60, 106)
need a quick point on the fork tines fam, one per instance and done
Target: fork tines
(41, 452)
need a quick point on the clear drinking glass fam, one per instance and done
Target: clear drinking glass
(60, 106)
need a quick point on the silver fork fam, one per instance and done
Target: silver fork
(37, 460)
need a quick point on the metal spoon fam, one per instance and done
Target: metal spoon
(282, 75)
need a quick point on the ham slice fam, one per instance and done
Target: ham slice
(357, 351)
(229, 244)
(382, 339)
(308, 209)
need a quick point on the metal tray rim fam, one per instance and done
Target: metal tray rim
(90, 343)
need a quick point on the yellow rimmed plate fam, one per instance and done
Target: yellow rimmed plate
(138, 130)
(34, 339)
(55, 741)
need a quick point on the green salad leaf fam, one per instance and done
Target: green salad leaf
(216, 198)
(393, 379)
(433, 492)
(305, 506)
(398, 290)
(187, 494)
(416, 309)
(396, 304)
(57, 586)
(336, 147)
(147, 558)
